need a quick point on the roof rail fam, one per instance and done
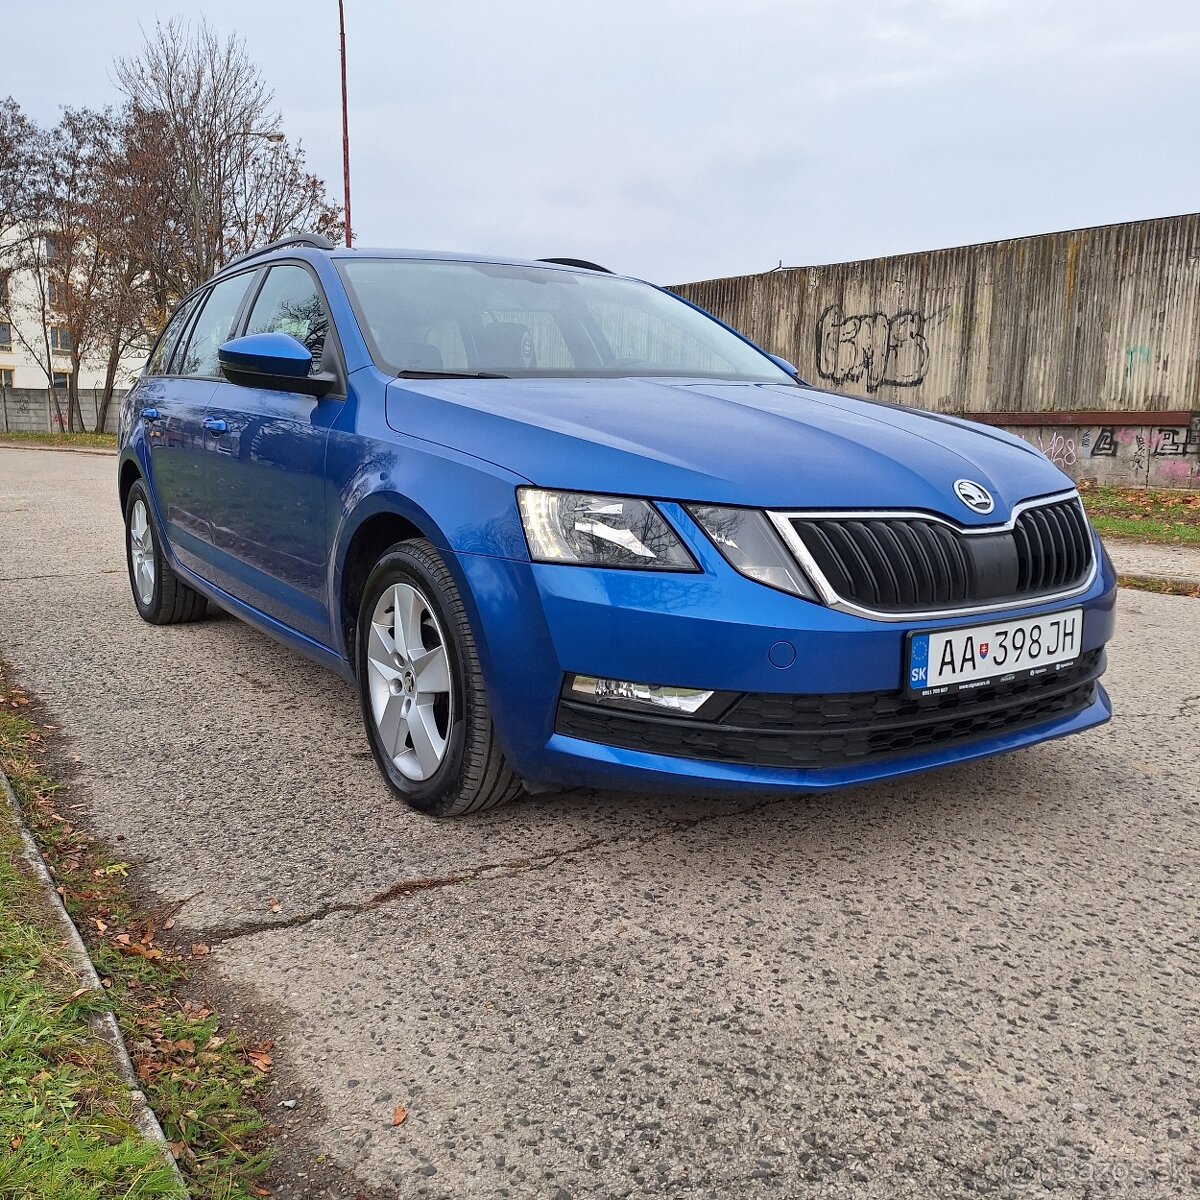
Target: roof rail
(317, 240)
(576, 262)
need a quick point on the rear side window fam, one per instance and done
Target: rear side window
(289, 302)
(162, 352)
(212, 327)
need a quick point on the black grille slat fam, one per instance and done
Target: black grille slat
(1024, 557)
(839, 729)
(902, 564)
(887, 585)
(832, 563)
(1067, 565)
(908, 585)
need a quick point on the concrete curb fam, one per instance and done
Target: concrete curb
(103, 1024)
(100, 450)
(1138, 580)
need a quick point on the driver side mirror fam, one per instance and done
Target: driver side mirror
(276, 361)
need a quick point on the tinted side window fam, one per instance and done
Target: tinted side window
(212, 327)
(162, 352)
(290, 303)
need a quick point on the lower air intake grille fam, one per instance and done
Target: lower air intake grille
(841, 729)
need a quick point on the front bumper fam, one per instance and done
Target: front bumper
(716, 630)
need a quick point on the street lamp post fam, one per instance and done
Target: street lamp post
(345, 122)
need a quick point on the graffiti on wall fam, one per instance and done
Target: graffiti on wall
(1159, 455)
(1059, 448)
(872, 346)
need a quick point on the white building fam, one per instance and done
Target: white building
(26, 325)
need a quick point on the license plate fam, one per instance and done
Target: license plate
(949, 660)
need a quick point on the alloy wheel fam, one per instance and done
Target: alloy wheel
(141, 551)
(409, 682)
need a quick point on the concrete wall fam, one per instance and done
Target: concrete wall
(1135, 451)
(1090, 327)
(30, 410)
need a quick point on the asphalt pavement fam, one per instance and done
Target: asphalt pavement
(985, 980)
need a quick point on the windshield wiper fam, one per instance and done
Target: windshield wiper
(448, 375)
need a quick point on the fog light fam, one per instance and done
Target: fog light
(620, 693)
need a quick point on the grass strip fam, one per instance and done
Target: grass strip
(204, 1080)
(66, 1128)
(95, 441)
(1169, 517)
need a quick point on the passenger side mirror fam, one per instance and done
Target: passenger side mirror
(786, 366)
(276, 361)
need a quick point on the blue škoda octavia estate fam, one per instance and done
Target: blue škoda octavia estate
(562, 528)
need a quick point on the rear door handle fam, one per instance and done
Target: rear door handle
(151, 414)
(215, 425)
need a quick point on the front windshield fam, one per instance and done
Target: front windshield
(430, 317)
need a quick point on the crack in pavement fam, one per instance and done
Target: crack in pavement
(1182, 709)
(216, 935)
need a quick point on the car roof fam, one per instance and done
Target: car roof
(306, 244)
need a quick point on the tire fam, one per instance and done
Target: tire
(426, 713)
(162, 598)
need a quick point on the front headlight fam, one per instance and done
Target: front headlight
(599, 531)
(752, 548)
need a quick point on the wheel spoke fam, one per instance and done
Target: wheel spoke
(428, 744)
(408, 607)
(380, 649)
(432, 669)
(391, 724)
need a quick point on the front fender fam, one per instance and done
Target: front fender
(460, 503)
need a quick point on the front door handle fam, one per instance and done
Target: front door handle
(215, 425)
(151, 414)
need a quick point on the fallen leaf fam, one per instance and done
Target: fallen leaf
(15, 1144)
(258, 1191)
(186, 1046)
(101, 926)
(399, 1116)
(199, 950)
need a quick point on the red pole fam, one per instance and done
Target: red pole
(345, 121)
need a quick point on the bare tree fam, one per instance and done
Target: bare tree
(21, 195)
(18, 163)
(77, 272)
(201, 98)
(133, 219)
(28, 309)
(276, 195)
(112, 218)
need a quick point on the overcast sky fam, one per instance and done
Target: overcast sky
(686, 139)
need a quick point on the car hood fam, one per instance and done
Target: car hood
(762, 445)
